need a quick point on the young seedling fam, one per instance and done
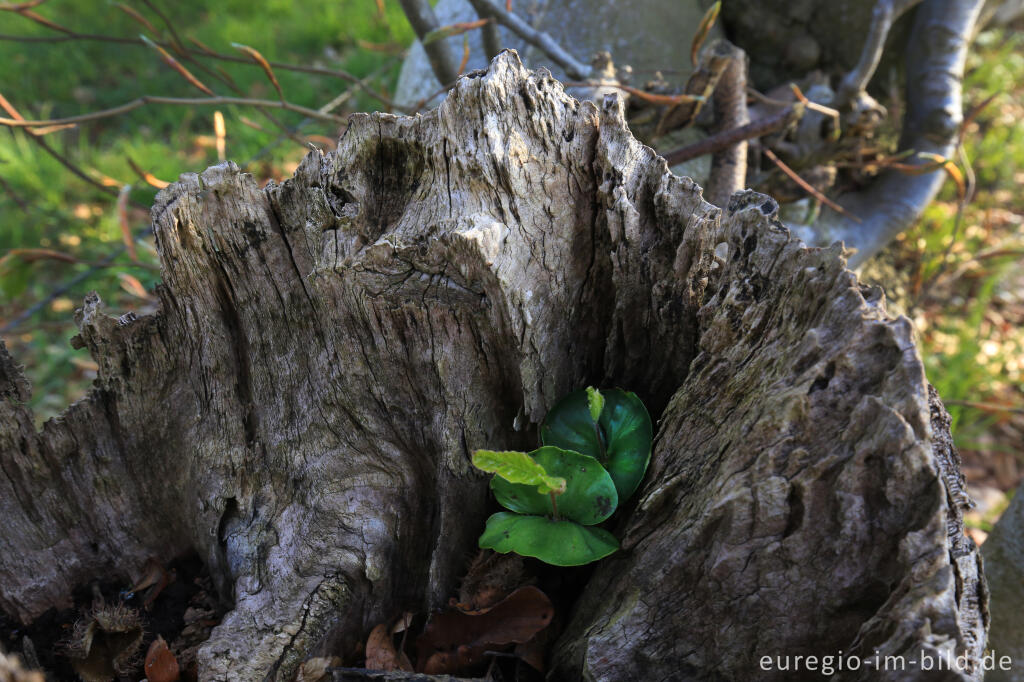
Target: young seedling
(619, 437)
(596, 449)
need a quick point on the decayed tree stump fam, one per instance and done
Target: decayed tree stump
(329, 351)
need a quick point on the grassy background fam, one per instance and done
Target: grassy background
(43, 205)
(963, 290)
(964, 287)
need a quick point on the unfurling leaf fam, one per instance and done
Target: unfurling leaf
(595, 401)
(518, 467)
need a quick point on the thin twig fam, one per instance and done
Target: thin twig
(653, 98)
(986, 407)
(175, 38)
(281, 66)
(67, 286)
(702, 82)
(187, 101)
(961, 207)
(726, 138)
(572, 67)
(18, 118)
(22, 204)
(806, 186)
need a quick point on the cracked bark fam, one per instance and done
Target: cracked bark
(329, 351)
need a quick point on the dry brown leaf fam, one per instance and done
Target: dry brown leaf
(32, 255)
(403, 623)
(255, 55)
(134, 287)
(134, 14)
(703, 29)
(491, 577)
(381, 653)
(122, 221)
(176, 65)
(161, 665)
(454, 641)
(146, 176)
(316, 669)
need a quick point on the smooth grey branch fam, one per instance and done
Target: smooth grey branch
(572, 67)
(885, 14)
(490, 34)
(423, 20)
(936, 53)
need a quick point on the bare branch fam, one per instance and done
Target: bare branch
(885, 14)
(421, 17)
(206, 52)
(726, 138)
(806, 186)
(572, 67)
(936, 53)
(491, 37)
(187, 101)
(729, 165)
(179, 46)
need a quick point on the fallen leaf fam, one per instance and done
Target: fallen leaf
(161, 665)
(381, 653)
(491, 577)
(454, 641)
(315, 669)
(403, 623)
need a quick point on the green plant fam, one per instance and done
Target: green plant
(595, 450)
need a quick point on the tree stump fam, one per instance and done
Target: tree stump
(329, 351)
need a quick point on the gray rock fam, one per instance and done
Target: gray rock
(648, 35)
(1003, 553)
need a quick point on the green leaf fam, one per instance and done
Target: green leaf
(621, 441)
(595, 403)
(518, 468)
(561, 543)
(590, 496)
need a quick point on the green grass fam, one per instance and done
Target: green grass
(972, 352)
(42, 205)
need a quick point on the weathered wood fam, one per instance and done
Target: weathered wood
(804, 497)
(329, 351)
